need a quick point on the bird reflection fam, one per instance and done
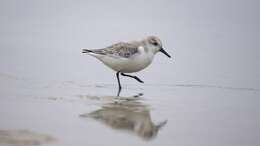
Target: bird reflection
(128, 114)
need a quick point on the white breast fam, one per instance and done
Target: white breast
(129, 65)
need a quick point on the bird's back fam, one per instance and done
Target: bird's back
(121, 49)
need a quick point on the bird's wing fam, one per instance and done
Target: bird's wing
(122, 49)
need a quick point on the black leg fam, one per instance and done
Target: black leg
(119, 84)
(118, 92)
(135, 77)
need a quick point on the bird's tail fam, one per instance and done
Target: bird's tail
(86, 51)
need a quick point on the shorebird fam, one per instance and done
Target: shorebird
(128, 57)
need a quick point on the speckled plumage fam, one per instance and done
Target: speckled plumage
(121, 49)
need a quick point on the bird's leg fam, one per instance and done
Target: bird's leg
(135, 77)
(118, 92)
(119, 85)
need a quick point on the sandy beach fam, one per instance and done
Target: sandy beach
(70, 113)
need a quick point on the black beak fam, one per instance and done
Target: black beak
(164, 52)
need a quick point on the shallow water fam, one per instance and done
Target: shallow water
(82, 114)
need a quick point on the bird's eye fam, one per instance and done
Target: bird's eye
(155, 43)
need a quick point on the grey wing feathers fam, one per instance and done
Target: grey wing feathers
(122, 49)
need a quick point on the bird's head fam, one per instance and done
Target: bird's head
(155, 45)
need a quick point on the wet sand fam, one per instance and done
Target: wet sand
(71, 113)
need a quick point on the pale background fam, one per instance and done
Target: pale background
(212, 42)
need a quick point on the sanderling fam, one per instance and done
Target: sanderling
(129, 57)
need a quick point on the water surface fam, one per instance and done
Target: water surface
(82, 114)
